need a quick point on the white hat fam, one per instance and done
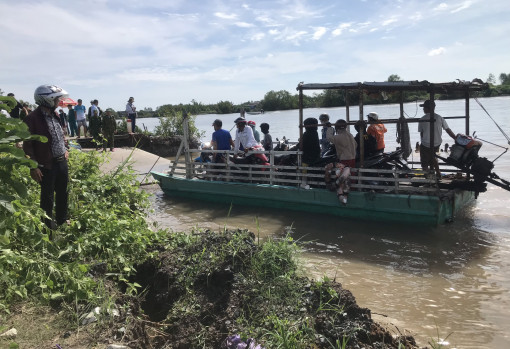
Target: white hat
(373, 115)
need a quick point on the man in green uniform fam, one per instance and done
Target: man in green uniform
(71, 119)
(109, 127)
(95, 128)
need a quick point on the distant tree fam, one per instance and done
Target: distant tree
(333, 98)
(504, 78)
(280, 100)
(394, 77)
(225, 107)
(491, 79)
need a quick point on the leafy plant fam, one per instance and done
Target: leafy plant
(108, 235)
(171, 124)
(12, 132)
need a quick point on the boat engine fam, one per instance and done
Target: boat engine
(464, 151)
(464, 155)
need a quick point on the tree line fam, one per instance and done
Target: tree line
(284, 100)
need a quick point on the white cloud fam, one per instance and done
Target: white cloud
(436, 52)
(258, 36)
(211, 47)
(243, 24)
(225, 15)
(463, 6)
(338, 31)
(319, 32)
(441, 7)
(389, 21)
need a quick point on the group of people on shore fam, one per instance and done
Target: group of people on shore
(51, 170)
(101, 125)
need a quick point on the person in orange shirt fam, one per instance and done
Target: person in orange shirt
(377, 130)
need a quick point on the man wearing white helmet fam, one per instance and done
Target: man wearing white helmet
(51, 156)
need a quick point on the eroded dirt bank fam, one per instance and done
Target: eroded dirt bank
(208, 286)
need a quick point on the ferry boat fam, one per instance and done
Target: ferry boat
(393, 194)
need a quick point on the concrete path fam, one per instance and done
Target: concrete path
(141, 161)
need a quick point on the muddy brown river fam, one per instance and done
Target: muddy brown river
(449, 281)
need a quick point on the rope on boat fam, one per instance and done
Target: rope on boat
(503, 132)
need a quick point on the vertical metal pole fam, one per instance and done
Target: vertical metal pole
(431, 124)
(361, 135)
(301, 115)
(300, 122)
(347, 112)
(467, 112)
(467, 124)
(186, 145)
(271, 166)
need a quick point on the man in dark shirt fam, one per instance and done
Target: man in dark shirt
(310, 147)
(16, 111)
(51, 157)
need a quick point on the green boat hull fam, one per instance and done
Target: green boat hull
(401, 208)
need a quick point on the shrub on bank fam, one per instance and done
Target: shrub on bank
(107, 229)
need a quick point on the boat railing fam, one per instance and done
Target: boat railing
(381, 180)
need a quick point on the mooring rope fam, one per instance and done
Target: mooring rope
(503, 132)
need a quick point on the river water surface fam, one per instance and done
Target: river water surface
(429, 282)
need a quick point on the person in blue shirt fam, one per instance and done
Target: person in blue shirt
(81, 120)
(221, 140)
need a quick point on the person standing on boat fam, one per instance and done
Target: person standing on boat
(377, 130)
(221, 140)
(131, 113)
(256, 133)
(267, 142)
(369, 142)
(344, 143)
(427, 158)
(326, 133)
(310, 147)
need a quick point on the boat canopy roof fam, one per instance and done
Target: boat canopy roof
(442, 87)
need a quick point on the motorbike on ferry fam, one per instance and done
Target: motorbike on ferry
(201, 163)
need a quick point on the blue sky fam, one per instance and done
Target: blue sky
(173, 51)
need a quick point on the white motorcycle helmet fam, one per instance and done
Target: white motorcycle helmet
(49, 95)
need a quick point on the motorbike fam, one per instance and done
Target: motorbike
(200, 163)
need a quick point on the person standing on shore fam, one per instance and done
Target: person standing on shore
(16, 111)
(81, 120)
(51, 157)
(109, 126)
(131, 113)
(71, 120)
(427, 156)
